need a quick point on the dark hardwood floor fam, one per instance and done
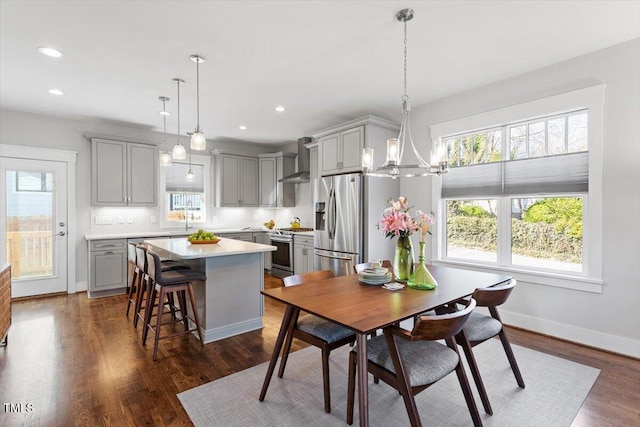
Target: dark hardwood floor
(71, 360)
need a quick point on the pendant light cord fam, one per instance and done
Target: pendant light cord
(198, 94)
(405, 97)
(164, 122)
(178, 83)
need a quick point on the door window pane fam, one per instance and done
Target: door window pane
(472, 230)
(29, 213)
(546, 233)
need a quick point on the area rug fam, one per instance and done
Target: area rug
(555, 390)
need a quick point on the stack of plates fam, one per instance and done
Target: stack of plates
(375, 276)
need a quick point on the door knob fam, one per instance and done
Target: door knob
(62, 224)
(62, 233)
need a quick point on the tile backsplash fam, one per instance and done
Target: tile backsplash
(105, 220)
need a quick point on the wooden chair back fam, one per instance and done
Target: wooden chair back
(307, 277)
(494, 296)
(359, 267)
(441, 326)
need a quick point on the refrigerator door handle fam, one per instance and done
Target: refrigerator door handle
(331, 215)
(334, 215)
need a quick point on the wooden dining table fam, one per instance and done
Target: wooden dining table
(367, 308)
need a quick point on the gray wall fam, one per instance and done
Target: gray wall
(18, 128)
(610, 319)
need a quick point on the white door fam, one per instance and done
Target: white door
(33, 223)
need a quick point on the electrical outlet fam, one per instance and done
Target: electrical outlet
(120, 220)
(129, 220)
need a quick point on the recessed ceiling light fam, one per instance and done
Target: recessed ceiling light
(56, 92)
(280, 109)
(49, 51)
(242, 127)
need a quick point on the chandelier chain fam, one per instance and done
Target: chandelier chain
(405, 97)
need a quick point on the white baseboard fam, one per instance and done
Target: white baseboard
(617, 344)
(80, 287)
(227, 331)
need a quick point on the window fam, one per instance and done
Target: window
(180, 197)
(525, 195)
(39, 182)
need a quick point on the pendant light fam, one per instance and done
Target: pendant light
(178, 153)
(393, 167)
(165, 155)
(198, 141)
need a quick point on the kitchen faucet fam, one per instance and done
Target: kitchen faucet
(186, 215)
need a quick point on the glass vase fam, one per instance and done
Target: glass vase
(421, 278)
(403, 259)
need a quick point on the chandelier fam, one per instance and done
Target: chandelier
(393, 166)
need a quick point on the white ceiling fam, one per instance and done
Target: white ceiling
(326, 61)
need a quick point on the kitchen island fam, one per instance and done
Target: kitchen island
(229, 302)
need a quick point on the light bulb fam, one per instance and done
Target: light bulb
(190, 176)
(393, 151)
(165, 158)
(179, 153)
(367, 158)
(198, 141)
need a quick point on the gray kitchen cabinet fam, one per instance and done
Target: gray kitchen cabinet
(314, 173)
(236, 180)
(265, 240)
(302, 254)
(340, 147)
(273, 167)
(341, 152)
(107, 267)
(123, 173)
(246, 237)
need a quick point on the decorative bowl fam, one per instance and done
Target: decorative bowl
(203, 242)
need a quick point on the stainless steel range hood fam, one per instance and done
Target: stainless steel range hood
(302, 175)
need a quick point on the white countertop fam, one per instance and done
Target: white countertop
(185, 250)
(171, 233)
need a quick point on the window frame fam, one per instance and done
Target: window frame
(205, 161)
(590, 99)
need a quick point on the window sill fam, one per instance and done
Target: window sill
(584, 284)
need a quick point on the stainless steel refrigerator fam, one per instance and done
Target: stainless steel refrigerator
(347, 209)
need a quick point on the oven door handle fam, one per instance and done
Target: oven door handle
(281, 239)
(329, 255)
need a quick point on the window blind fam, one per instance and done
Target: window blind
(564, 173)
(176, 178)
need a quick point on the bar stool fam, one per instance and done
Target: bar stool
(143, 286)
(166, 283)
(135, 271)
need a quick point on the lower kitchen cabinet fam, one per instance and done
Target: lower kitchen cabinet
(302, 254)
(265, 240)
(107, 267)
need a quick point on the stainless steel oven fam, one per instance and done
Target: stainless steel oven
(282, 257)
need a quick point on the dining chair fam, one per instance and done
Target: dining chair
(313, 330)
(481, 327)
(411, 361)
(359, 267)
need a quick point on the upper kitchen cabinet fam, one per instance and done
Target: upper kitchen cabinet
(273, 167)
(236, 180)
(340, 147)
(123, 173)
